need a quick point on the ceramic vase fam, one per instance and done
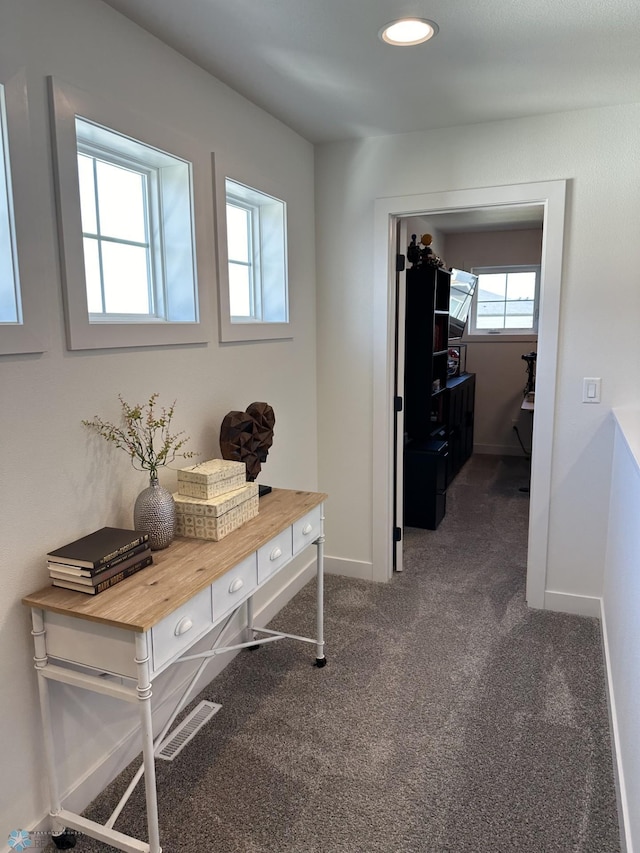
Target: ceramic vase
(155, 513)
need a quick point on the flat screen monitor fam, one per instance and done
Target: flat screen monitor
(462, 286)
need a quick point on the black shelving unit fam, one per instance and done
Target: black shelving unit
(439, 411)
(426, 350)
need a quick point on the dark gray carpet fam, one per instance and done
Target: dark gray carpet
(449, 717)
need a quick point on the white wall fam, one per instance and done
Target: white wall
(57, 482)
(620, 608)
(420, 225)
(600, 302)
(498, 365)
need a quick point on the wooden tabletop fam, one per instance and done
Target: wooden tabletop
(180, 571)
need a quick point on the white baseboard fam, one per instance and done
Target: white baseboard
(349, 568)
(626, 843)
(96, 778)
(565, 602)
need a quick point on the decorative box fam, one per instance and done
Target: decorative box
(212, 478)
(216, 517)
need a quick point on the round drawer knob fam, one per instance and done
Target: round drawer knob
(237, 584)
(306, 530)
(277, 552)
(184, 625)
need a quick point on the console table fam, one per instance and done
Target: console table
(152, 620)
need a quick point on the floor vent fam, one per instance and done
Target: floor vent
(187, 729)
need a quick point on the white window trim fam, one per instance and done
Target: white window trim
(506, 335)
(30, 335)
(255, 330)
(68, 102)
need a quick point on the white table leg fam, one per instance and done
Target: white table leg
(249, 636)
(144, 696)
(320, 658)
(41, 661)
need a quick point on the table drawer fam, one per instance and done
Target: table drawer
(274, 554)
(234, 586)
(307, 529)
(179, 630)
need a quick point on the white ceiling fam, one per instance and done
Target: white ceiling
(320, 67)
(499, 218)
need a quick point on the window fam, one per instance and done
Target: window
(10, 303)
(23, 306)
(255, 305)
(127, 227)
(244, 261)
(506, 300)
(114, 203)
(129, 243)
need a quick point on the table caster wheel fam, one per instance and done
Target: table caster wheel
(320, 662)
(65, 841)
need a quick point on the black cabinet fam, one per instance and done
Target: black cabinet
(460, 406)
(425, 483)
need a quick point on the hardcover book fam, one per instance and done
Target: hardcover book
(70, 573)
(99, 548)
(78, 571)
(105, 584)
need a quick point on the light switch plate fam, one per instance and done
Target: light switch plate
(591, 389)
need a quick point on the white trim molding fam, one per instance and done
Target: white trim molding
(618, 768)
(551, 196)
(69, 102)
(361, 569)
(566, 602)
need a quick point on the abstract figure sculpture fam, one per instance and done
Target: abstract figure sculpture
(247, 436)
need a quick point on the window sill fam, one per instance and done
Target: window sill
(256, 331)
(523, 337)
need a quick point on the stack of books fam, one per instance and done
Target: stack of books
(100, 560)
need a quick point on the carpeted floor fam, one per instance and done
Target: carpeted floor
(449, 717)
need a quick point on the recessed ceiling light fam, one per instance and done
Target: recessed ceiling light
(408, 31)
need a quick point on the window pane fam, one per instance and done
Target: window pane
(239, 291)
(238, 233)
(520, 314)
(492, 286)
(490, 309)
(10, 305)
(490, 322)
(121, 200)
(92, 275)
(521, 285)
(520, 322)
(126, 279)
(87, 194)
(520, 308)
(8, 295)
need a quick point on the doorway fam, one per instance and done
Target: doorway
(388, 213)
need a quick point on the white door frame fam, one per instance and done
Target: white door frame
(550, 194)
